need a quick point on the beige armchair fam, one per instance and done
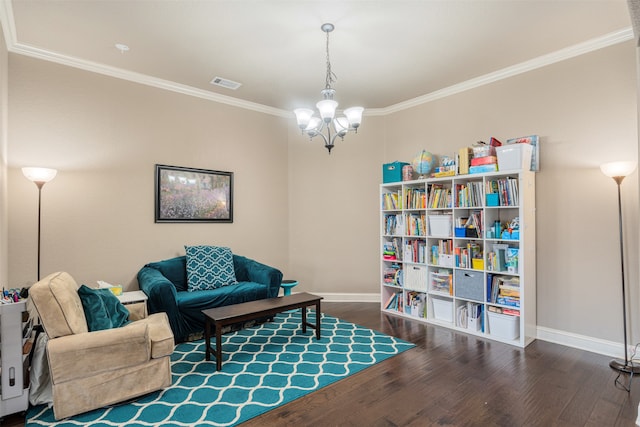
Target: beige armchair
(92, 369)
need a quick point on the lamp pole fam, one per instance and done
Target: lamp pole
(39, 176)
(618, 171)
(39, 184)
(616, 364)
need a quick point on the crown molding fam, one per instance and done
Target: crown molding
(13, 46)
(143, 79)
(591, 45)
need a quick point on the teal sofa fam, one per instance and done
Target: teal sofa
(165, 284)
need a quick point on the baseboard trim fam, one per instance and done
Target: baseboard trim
(582, 342)
(569, 339)
(347, 297)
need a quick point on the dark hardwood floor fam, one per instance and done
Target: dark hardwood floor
(453, 379)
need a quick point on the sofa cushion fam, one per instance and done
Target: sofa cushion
(209, 267)
(102, 309)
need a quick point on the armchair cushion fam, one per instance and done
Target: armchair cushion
(209, 267)
(59, 306)
(102, 309)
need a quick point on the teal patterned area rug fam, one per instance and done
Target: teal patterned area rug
(263, 367)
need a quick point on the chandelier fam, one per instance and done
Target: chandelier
(328, 122)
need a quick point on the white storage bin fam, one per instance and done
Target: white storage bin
(415, 277)
(440, 225)
(442, 310)
(514, 157)
(504, 326)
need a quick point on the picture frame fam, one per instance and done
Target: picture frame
(185, 194)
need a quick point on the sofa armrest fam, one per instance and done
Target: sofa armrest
(89, 353)
(161, 292)
(253, 271)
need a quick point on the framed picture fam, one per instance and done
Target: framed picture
(193, 195)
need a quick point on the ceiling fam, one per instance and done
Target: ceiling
(385, 53)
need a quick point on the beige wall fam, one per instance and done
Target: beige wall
(105, 135)
(584, 109)
(4, 209)
(334, 228)
(312, 214)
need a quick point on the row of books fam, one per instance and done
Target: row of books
(415, 198)
(414, 251)
(392, 201)
(503, 290)
(439, 197)
(395, 302)
(464, 256)
(507, 190)
(442, 253)
(469, 194)
(416, 224)
(394, 225)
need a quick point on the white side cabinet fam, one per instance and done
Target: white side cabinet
(15, 329)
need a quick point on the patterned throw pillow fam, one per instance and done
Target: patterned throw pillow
(209, 267)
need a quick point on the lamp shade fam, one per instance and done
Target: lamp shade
(303, 115)
(617, 169)
(327, 108)
(354, 115)
(39, 174)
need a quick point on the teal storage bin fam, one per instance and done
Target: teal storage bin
(392, 172)
(493, 199)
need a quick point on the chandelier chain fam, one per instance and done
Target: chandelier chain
(331, 77)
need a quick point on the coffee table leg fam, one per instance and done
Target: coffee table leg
(318, 316)
(207, 339)
(218, 347)
(304, 319)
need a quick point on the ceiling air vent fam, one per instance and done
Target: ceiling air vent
(226, 83)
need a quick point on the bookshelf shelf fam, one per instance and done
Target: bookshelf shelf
(464, 249)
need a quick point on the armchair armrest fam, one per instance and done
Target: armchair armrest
(250, 270)
(89, 353)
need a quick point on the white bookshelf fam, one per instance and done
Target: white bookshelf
(15, 330)
(432, 280)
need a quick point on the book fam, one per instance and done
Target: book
(483, 168)
(486, 160)
(464, 154)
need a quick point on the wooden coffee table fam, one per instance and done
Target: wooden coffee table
(230, 314)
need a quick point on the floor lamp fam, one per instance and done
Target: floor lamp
(39, 176)
(618, 171)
